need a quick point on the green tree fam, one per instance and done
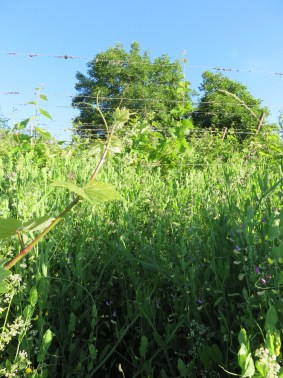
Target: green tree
(128, 79)
(226, 103)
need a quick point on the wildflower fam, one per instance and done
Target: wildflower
(28, 370)
(264, 220)
(257, 270)
(237, 248)
(263, 281)
(200, 301)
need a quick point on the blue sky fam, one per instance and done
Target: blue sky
(242, 34)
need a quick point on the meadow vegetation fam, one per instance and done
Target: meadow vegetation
(179, 277)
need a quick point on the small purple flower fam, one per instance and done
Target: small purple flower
(107, 302)
(262, 280)
(264, 220)
(257, 270)
(200, 301)
(237, 248)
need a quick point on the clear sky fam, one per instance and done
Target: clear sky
(243, 34)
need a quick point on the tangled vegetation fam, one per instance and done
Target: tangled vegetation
(174, 273)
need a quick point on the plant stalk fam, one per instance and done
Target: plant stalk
(28, 248)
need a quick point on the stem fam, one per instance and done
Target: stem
(28, 248)
(106, 148)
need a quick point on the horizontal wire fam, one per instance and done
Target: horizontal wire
(72, 57)
(146, 99)
(130, 109)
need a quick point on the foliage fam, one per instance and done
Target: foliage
(226, 103)
(148, 286)
(149, 89)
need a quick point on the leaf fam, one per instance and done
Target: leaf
(37, 224)
(4, 273)
(115, 145)
(70, 186)
(45, 113)
(43, 133)
(72, 323)
(121, 116)
(43, 97)
(9, 227)
(45, 344)
(21, 125)
(183, 370)
(277, 253)
(33, 296)
(94, 192)
(143, 347)
(274, 230)
(271, 319)
(98, 192)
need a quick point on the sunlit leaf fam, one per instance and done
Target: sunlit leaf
(71, 187)
(43, 133)
(97, 191)
(21, 125)
(4, 273)
(37, 224)
(9, 227)
(45, 344)
(94, 192)
(43, 97)
(45, 113)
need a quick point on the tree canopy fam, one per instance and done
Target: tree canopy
(226, 103)
(119, 78)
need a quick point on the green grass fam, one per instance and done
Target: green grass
(160, 283)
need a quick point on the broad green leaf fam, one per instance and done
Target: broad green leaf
(249, 369)
(277, 253)
(45, 344)
(243, 338)
(9, 227)
(45, 113)
(4, 273)
(21, 125)
(43, 133)
(92, 350)
(271, 319)
(97, 192)
(121, 116)
(37, 224)
(94, 192)
(33, 296)
(183, 370)
(71, 187)
(115, 145)
(274, 230)
(28, 311)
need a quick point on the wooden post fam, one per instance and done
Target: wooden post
(260, 122)
(225, 133)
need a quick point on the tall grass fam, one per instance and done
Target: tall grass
(158, 285)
